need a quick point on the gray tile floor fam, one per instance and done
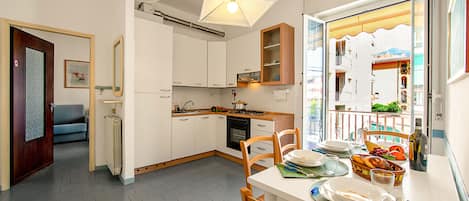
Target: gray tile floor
(211, 179)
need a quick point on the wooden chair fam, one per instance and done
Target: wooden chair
(248, 163)
(280, 150)
(367, 134)
(246, 195)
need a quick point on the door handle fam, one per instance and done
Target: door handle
(51, 107)
(261, 125)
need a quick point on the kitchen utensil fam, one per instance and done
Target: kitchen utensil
(239, 105)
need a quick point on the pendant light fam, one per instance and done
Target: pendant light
(234, 12)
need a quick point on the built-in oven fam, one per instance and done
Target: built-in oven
(238, 129)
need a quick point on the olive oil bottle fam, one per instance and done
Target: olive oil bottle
(418, 148)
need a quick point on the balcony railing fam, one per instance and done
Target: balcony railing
(347, 125)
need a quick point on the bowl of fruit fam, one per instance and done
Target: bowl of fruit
(393, 152)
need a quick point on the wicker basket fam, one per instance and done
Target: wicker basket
(364, 171)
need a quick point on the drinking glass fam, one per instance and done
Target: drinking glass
(383, 178)
(332, 161)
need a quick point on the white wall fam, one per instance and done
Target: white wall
(66, 48)
(102, 18)
(456, 98)
(386, 84)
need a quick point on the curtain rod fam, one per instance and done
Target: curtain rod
(183, 22)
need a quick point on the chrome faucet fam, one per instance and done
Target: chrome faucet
(185, 104)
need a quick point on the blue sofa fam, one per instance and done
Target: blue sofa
(70, 123)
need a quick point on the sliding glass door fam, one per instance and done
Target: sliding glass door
(314, 84)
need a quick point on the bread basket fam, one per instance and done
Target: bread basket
(363, 170)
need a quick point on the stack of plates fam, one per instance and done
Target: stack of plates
(305, 158)
(335, 146)
(351, 189)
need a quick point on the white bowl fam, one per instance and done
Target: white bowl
(305, 158)
(351, 189)
(335, 145)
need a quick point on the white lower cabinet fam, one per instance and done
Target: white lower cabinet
(183, 137)
(205, 139)
(193, 135)
(220, 131)
(262, 128)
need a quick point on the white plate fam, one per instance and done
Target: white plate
(351, 189)
(334, 145)
(305, 158)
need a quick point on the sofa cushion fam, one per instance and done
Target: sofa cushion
(65, 114)
(70, 128)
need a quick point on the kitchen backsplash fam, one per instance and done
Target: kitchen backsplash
(202, 97)
(263, 98)
(258, 97)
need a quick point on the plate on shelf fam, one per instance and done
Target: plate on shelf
(335, 146)
(351, 189)
(305, 158)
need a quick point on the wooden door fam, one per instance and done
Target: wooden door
(32, 95)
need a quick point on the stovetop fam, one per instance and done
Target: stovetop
(248, 112)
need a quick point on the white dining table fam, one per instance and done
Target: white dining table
(436, 184)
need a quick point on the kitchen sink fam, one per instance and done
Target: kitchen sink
(188, 112)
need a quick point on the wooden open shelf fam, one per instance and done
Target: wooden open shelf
(277, 55)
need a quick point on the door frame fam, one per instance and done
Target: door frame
(5, 120)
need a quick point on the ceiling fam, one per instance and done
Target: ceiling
(190, 6)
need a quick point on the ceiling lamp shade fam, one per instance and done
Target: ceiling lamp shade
(234, 12)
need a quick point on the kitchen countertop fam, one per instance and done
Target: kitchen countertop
(269, 116)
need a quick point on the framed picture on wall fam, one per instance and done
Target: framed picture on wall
(458, 56)
(77, 74)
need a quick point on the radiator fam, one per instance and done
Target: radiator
(113, 143)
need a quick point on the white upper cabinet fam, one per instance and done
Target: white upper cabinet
(243, 55)
(190, 61)
(153, 56)
(216, 64)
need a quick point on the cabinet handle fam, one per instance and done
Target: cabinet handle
(262, 149)
(261, 125)
(183, 119)
(221, 117)
(177, 82)
(247, 69)
(231, 84)
(204, 118)
(165, 96)
(165, 90)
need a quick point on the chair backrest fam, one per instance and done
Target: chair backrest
(246, 195)
(404, 138)
(247, 162)
(280, 148)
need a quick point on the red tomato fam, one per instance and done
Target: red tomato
(397, 148)
(398, 155)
